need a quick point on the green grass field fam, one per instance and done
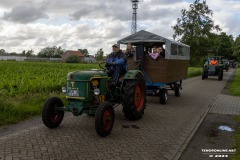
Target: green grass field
(19, 78)
(25, 86)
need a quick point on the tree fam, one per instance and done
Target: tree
(99, 55)
(236, 47)
(2, 51)
(223, 44)
(23, 53)
(84, 51)
(195, 27)
(29, 53)
(54, 52)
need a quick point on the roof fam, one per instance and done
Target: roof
(78, 53)
(142, 37)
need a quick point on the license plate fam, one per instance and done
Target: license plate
(73, 93)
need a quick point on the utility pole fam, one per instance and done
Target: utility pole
(134, 16)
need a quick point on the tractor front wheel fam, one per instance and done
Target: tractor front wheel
(205, 74)
(51, 115)
(134, 97)
(104, 119)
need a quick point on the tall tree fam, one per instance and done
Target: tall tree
(99, 55)
(84, 51)
(223, 44)
(195, 27)
(23, 53)
(236, 48)
(2, 51)
(29, 53)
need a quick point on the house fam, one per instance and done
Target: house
(68, 53)
(90, 59)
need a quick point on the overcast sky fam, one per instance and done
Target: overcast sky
(94, 24)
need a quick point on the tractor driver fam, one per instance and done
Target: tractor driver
(214, 62)
(116, 64)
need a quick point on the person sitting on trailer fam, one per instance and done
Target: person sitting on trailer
(116, 64)
(154, 55)
(161, 51)
(129, 50)
(214, 62)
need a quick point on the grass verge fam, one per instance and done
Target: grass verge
(194, 71)
(235, 86)
(235, 90)
(20, 108)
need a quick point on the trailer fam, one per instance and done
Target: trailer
(165, 73)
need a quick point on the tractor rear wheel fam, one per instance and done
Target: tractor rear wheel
(163, 96)
(51, 116)
(134, 97)
(104, 119)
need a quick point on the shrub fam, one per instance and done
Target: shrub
(72, 59)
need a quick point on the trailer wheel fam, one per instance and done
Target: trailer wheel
(220, 75)
(52, 117)
(104, 119)
(177, 91)
(134, 97)
(163, 96)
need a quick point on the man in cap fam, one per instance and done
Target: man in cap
(116, 64)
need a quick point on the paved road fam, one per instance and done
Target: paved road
(163, 133)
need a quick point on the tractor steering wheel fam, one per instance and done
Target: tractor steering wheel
(101, 65)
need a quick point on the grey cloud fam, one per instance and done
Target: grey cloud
(159, 2)
(123, 11)
(24, 14)
(102, 11)
(41, 42)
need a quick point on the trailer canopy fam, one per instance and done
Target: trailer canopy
(173, 49)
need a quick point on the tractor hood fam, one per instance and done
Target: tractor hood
(86, 75)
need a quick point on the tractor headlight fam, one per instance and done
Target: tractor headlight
(64, 89)
(96, 91)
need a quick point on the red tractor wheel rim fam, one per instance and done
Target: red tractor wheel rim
(139, 97)
(107, 119)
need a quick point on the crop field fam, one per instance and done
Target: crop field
(19, 78)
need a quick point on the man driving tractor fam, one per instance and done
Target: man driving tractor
(116, 64)
(214, 62)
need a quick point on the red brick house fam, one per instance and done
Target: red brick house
(68, 53)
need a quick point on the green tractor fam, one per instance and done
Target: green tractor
(213, 67)
(89, 92)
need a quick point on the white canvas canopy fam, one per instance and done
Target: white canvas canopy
(173, 49)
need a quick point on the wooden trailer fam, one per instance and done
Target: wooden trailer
(164, 73)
